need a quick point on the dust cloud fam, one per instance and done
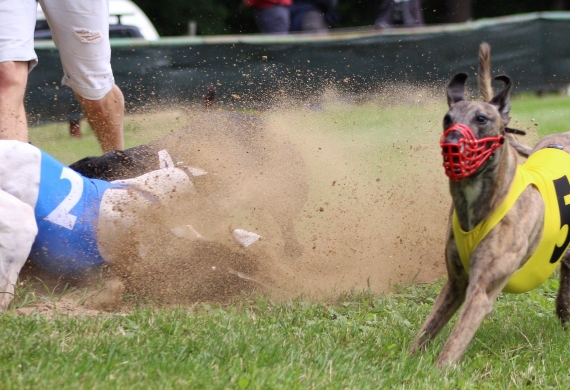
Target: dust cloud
(345, 193)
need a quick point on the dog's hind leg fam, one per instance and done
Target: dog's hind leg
(449, 300)
(18, 231)
(563, 298)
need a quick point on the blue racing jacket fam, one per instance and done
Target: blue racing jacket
(67, 214)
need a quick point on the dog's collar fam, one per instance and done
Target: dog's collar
(462, 158)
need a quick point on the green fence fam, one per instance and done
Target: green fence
(534, 49)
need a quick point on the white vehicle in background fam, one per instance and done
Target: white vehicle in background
(126, 20)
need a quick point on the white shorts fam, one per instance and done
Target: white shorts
(80, 30)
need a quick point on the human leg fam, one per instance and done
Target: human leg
(105, 116)
(81, 32)
(273, 20)
(314, 21)
(17, 57)
(13, 79)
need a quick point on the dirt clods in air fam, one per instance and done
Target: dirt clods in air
(344, 194)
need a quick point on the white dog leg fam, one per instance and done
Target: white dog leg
(164, 185)
(120, 207)
(18, 231)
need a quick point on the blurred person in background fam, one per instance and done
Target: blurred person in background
(399, 13)
(271, 16)
(313, 15)
(80, 30)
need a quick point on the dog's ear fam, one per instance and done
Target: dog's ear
(456, 89)
(502, 100)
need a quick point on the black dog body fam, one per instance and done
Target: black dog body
(119, 164)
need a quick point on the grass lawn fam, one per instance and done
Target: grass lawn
(356, 341)
(353, 340)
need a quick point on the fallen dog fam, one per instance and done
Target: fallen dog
(509, 226)
(68, 224)
(249, 166)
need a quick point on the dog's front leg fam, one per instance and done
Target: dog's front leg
(450, 298)
(485, 284)
(478, 305)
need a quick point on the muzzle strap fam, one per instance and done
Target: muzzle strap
(464, 157)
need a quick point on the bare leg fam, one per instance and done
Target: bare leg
(105, 117)
(13, 79)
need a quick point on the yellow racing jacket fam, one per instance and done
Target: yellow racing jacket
(549, 171)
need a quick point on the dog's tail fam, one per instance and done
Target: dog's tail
(484, 77)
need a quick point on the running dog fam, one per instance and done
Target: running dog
(509, 223)
(65, 222)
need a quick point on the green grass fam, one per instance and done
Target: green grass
(356, 340)
(551, 113)
(55, 139)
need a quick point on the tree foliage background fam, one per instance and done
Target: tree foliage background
(214, 17)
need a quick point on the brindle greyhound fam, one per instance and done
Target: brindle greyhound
(484, 182)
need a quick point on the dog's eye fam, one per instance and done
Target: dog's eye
(481, 119)
(446, 121)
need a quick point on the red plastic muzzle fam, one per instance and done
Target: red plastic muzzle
(464, 156)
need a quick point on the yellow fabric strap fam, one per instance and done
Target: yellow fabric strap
(540, 170)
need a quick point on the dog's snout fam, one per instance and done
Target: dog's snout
(453, 137)
(454, 149)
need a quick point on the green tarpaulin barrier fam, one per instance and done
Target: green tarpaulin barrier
(533, 49)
